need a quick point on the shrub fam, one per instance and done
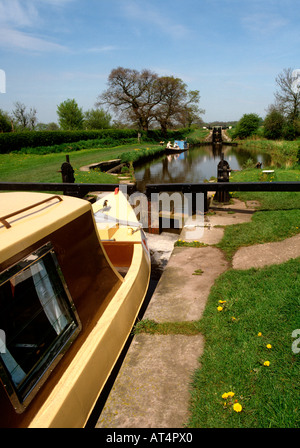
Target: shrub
(273, 125)
(247, 126)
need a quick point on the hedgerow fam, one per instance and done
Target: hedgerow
(51, 141)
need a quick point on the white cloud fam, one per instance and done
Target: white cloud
(20, 23)
(11, 38)
(14, 13)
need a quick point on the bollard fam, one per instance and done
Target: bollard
(67, 174)
(223, 176)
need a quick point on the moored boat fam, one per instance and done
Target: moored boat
(72, 280)
(178, 146)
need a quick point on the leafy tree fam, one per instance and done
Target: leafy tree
(145, 98)
(24, 120)
(247, 126)
(177, 105)
(47, 127)
(132, 94)
(5, 123)
(273, 124)
(70, 116)
(97, 119)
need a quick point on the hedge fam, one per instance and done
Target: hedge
(15, 141)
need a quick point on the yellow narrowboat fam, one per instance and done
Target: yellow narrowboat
(73, 277)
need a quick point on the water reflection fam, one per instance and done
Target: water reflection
(195, 165)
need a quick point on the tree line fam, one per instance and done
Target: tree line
(144, 100)
(283, 116)
(70, 118)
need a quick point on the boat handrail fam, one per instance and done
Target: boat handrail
(3, 219)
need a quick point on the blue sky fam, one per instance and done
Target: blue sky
(229, 50)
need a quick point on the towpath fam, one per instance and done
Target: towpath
(152, 387)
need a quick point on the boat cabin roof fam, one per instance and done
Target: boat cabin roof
(26, 218)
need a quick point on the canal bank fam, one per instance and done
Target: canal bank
(152, 386)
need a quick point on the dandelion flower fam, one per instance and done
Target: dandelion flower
(259, 334)
(225, 395)
(237, 407)
(269, 346)
(267, 363)
(233, 318)
(222, 301)
(220, 308)
(230, 394)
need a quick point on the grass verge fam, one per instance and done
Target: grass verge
(277, 218)
(260, 307)
(45, 168)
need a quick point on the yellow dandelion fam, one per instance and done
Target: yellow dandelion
(220, 308)
(225, 395)
(237, 407)
(267, 363)
(222, 301)
(259, 334)
(233, 318)
(269, 346)
(230, 394)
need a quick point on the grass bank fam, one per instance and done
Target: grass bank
(197, 136)
(248, 351)
(45, 168)
(283, 153)
(277, 218)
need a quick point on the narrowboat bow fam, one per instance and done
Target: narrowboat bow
(72, 280)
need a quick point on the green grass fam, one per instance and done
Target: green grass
(265, 227)
(283, 153)
(269, 200)
(45, 168)
(152, 327)
(198, 135)
(183, 243)
(263, 300)
(277, 218)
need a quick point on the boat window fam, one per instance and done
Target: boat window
(38, 321)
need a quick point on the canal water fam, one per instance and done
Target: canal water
(195, 165)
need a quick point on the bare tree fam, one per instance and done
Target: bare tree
(288, 97)
(24, 119)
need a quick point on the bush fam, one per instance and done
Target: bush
(5, 125)
(289, 131)
(273, 125)
(248, 124)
